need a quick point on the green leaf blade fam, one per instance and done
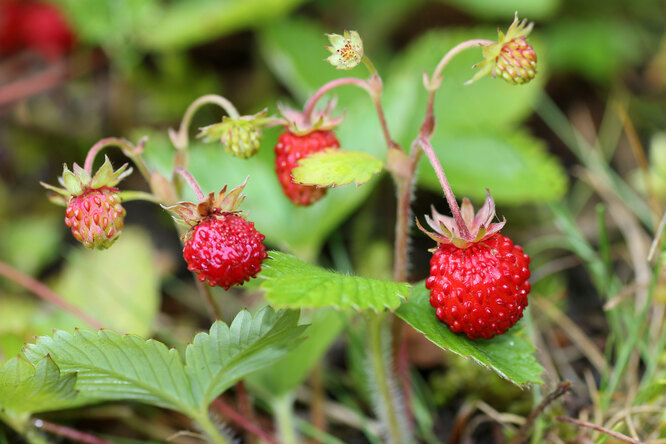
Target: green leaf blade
(114, 367)
(26, 388)
(333, 167)
(509, 355)
(218, 359)
(290, 282)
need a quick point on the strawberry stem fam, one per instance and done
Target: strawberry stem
(448, 192)
(180, 139)
(373, 88)
(433, 84)
(312, 101)
(131, 151)
(191, 181)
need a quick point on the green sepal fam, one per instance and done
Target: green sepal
(71, 181)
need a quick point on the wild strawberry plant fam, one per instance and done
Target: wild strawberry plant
(478, 281)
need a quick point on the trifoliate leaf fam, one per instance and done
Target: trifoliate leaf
(334, 167)
(126, 367)
(290, 282)
(509, 355)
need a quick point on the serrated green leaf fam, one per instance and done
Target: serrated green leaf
(336, 167)
(217, 360)
(111, 366)
(26, 388)
(290, 282)
(513, 165)
(509, 355)
(126, 367)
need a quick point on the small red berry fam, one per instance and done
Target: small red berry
(289, 150)
(478, 278)
(96, 217)
(480, 290)
(224, 250)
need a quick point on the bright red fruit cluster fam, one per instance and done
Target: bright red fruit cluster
(35, 26)
(289, 150)
(224, 250)
(480, 290)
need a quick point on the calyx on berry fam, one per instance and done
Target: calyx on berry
(300, 124)
(470, 230)
(191, 214)
(346, 50)
(94, 212)
(511, 58)
(241, 137)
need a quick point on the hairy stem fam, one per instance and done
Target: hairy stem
(180, 139)
(388, 405)
(242, 421)
(283, 409)
(46, 294)
(191, 181)
(448, 192)
(210, 429)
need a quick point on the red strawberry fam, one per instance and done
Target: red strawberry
(34, 25)
(96, 217)
(224, 250)
(289, 150)
(478, 281)
(221, 246)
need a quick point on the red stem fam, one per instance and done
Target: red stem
(69, 433)
(99, 146)
(312, 101)
(448, 192)
(191, 181)
(243, 422)
(589, 425)
(46, 294)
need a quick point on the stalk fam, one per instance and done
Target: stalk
(284, 417)
(210, 429)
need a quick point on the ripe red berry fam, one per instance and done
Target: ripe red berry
(478, 278)
(289, 150)
(35, 26)
(96, 217)
(224, 250)
(480, 290)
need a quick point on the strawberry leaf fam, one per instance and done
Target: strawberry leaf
(126, 367)
(336, 167)
(290, 282)
(26, 388)
(509, 355)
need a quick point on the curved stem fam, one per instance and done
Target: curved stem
(435, 81)
(46, 294)
(180, 140)
(448, 192)
(131, 151)
(368, 64)
(312, 101)
(191, 181)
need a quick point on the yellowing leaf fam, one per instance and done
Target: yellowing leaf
(333, 167)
